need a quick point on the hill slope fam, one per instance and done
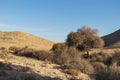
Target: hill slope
(21, 68)
(113, 39)
(21, 39)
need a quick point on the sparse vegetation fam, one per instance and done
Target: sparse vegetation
(2, 48)
(65, 56)
(116, 58)
(59, 47)
(72, 71)
(82, 65)
(61, 59)
(73, 57)
(14, 48)
(100, 57)
(98, 66)
(39, 55)
(111, 73)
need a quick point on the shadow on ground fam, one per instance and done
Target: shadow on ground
(16, 72)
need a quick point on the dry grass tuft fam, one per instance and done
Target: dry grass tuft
(72, 72)
(111, 73)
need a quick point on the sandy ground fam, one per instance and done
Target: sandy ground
(42, 68)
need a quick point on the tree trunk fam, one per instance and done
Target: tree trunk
(88, 53)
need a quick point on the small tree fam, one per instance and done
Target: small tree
(84, 39)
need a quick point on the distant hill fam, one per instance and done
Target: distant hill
(113, 39)
(21, 39)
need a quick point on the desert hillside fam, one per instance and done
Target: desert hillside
(61, 63)
(113, 39)
(21, 68)
(21, 39)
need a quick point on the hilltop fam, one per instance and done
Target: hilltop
(113, 39)
(22, 39)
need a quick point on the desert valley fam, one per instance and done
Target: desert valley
(59, 39)
(27, 57)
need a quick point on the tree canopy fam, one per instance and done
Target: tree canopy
(84, 38)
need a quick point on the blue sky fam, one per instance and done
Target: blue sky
(54, 19)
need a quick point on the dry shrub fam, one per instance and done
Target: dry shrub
(61, 59)
(111, 73)
(78, 65)
(43, 55)
(35, 54)
(101, 57)
(71, 58)
(5, 55)
(59, 47)
(66, 56)
(96, 42)
(2, 48)
(73, 52)
(72, 72)
(82, 65)
(14, 48)
(116, 58)
(27, 52)
(98, 65)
